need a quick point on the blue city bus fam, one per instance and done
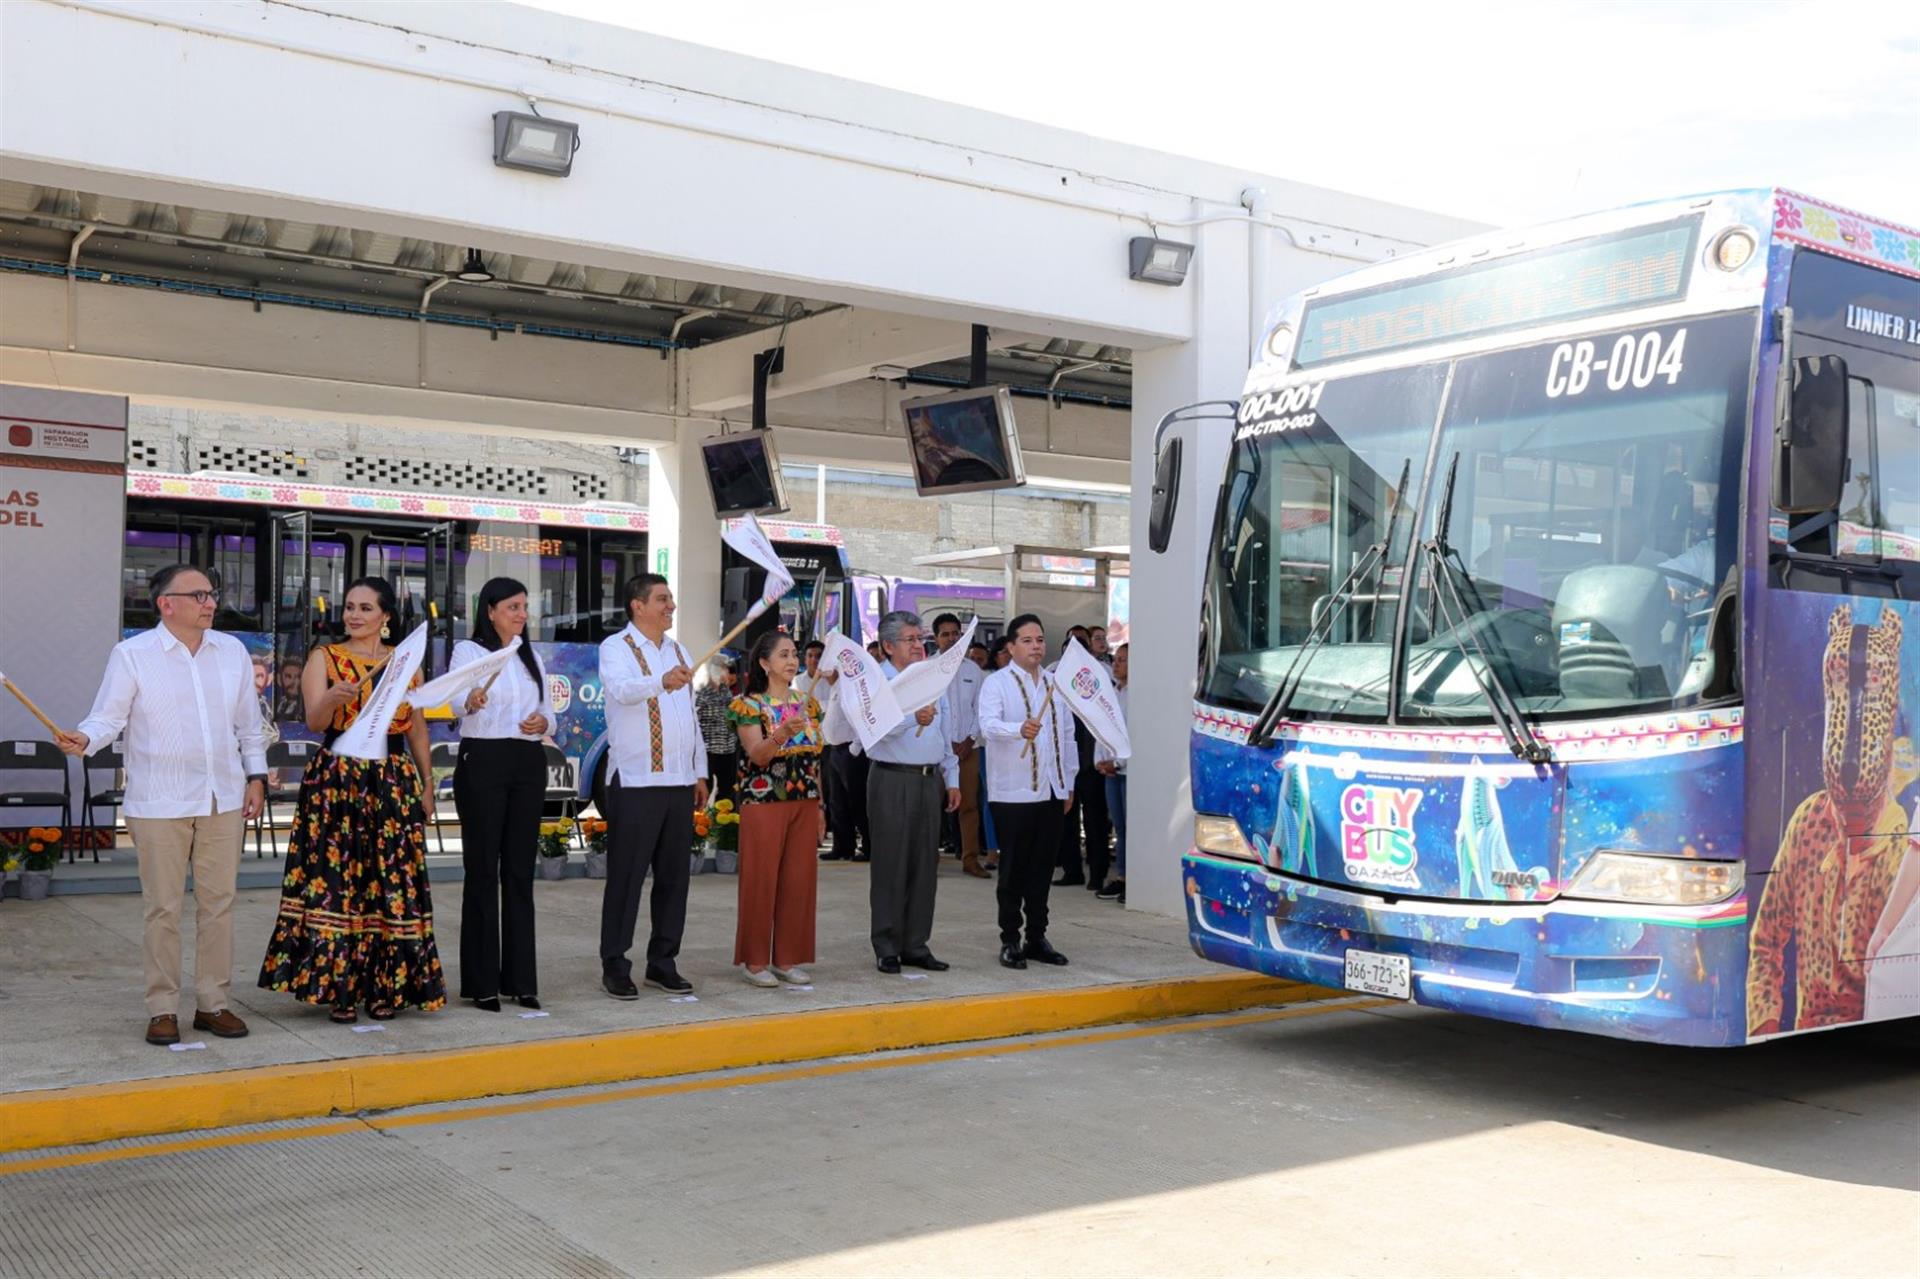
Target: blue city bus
(284, 551)
(1554, 662)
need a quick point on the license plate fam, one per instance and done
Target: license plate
(1373, 973)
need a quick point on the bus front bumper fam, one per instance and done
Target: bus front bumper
(1662, 974)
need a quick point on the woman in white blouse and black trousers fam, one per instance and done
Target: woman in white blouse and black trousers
(500, 785)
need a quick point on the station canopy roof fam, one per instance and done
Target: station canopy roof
(278, 262)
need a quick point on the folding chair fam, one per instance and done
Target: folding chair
(112, 760)
(286, 768)
(563, 790)
(444, 757)
(39, 757)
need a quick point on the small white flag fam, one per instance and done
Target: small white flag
(1083, 681)
(863, 704)
(747, 537)
(366, 738)
(456, 683)
(924, 683)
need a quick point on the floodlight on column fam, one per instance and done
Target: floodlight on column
(1155, 261)
(534, 143)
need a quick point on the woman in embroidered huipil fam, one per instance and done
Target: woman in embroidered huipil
(779, 797)
(356, 920)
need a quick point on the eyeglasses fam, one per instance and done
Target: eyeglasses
(202, 598)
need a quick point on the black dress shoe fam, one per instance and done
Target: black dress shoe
(1068, 881)
(1010, 957)
(1042, 953)
(861, 857)
(669, 980)
(529, 1001)
(888, 964)
(833, 857)
(619, 987)
(491, 1004)
(927, 962)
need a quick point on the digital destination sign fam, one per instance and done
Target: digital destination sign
(1641, 267)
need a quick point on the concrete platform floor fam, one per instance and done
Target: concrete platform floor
(71, 977)
(1319, 1139)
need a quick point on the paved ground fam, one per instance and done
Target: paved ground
(70, 975)
(1336, 1139)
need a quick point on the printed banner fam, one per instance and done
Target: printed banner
(442, 691)
(1084, 682)
(747, 537)
(863, 704)
(367, 737)
(924, 683)
(62, 500)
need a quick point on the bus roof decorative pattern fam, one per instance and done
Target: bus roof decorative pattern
(1585, 741)
(1831, 229)
(426, 506)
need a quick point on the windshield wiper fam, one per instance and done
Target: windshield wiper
(1448, 574)
(1317, 634)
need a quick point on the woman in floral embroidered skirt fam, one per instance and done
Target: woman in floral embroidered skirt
(356, 919)
(779, 798)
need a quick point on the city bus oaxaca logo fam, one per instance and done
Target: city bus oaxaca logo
(559, 693)
(1376, 835)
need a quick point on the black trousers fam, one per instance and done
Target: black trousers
(847, 815)
(1029, 843)
(649, 829)
(1089, 827)
(500, 785)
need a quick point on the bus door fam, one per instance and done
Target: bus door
(295, 617)
(419, 567)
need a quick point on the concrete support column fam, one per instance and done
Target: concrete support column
(683, 535)
(1165, 621)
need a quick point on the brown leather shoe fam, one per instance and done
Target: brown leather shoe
(971, 864)
(163, 1030)
(222, 1023)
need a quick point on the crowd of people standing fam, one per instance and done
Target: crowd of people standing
(993, 770)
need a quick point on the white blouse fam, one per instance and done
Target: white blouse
(514, 696)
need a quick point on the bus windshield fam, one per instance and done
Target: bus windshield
(1590, 496)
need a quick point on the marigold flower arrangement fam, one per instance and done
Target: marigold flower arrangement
(553, 839)
(719, 824)
(37, 850)
(595, 830)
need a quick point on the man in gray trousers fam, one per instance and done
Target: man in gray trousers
(913, 779)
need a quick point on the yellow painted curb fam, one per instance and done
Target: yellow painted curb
(150, 1107)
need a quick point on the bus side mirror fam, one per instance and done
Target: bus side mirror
(1166, 495)
(1812, 435)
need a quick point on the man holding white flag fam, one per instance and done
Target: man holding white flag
(1084, 680)
(914, 778)
(1031, 762)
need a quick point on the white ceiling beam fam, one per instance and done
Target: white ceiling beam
(823, 350)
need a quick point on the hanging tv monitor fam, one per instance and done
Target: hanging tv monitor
(964, 442)
(743, 472)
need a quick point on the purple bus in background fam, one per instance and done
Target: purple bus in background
(881, 594)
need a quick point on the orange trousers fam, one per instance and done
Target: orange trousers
(779, 879)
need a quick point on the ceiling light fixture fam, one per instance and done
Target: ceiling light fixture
(474, 269)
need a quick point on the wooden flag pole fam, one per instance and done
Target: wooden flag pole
(725, 640)
(1028, 748)
(27, 702)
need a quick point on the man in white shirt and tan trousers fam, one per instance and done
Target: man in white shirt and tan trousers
(657, 777)
(196, 775)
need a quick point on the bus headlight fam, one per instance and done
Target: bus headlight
(1657, 880)
(1222, 837)
(1280, 341)
(1733, 248)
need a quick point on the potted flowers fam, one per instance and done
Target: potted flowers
(32, 858)
(553, 850)
(595, 829)
(724, 837)
(702, 839)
